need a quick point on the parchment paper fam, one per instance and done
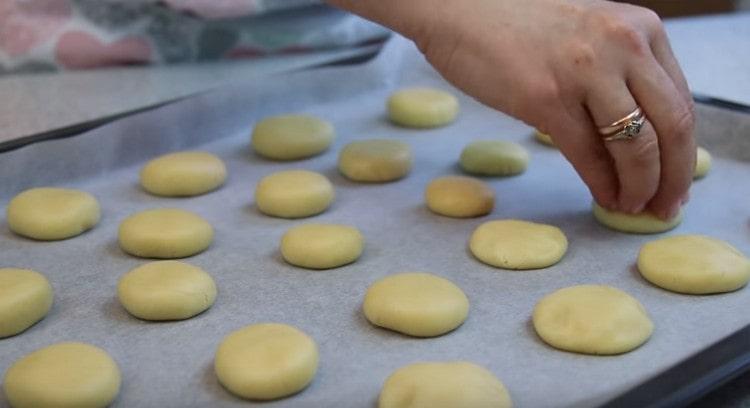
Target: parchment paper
(170, 364)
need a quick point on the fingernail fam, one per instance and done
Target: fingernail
(671, 212)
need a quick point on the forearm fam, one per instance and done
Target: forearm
(410, 18)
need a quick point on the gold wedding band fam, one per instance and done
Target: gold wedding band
(626, 128)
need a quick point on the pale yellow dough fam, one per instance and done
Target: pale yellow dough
(165, 233)
(456, 384)
(375, 160)
(266, 361)
(294, 194)
(183, 174)
(63, 375)
(422, 107)
(292, 137)
(643, 223)
(25, 298)
(418, 304)
(166, 290)
(321, 246)
(544, 138)
(459, 197)
(515, 244)
(702, 163)
(494, 158)
(592, 319)
(694, 264)
(50, 214)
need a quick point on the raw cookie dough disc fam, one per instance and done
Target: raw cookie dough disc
(418, 304)
(694, 264)
(183, 174)
(515, 244)
(422, 107)
(452, 384)
(266, 361)
(643, 223)
(294, 194)
(459, 197)
(291, 137)
(375, 160)
(592, 319)
(321, 246)
(702, 163)
(63, 375)
(544, 138)
(165, 233)
(494, 158)
(166, 290)
(25, 298)
(49, 214)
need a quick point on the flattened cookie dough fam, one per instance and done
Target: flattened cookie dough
(702, 163)
(375, 160)
(292, 137)
(422, 107)
(266, 361)
(515, 244)
(165, 233)
(694, 264)
(183, 174)
(417, 303)
(50, 214)
(643, 223)
(494, 158)
(166, 290)
(25, 298)
(321, 246)
(592, 319)
(63, 375)
(544, 138)
(459, 197)
(449, 384)
(294, 194)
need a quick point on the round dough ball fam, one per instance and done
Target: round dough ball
(694, 264)
(543, 138)
(422, 107)
(592, 319)
(451, 384)
(50, 214)
(643, 223)
(266, 361)
(63, 375)
(418, 304)
(294, 194)
(321, 246)
(291, 137)
(459, 197)
(183, 174)
(165, 233)
(494, 158)
(25, 298)
(702, 163)
(375, 160)
(166, 290)
(515, 244)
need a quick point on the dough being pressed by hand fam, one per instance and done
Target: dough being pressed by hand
(375, 160)
(515, 244)
(294, 194)
(643, 223)
(459, 197)
(165, 233)
(694, 264)
(183, 174)
(50, 214)
(702, 163)
(544, 138)
(266, 361)
(592, 319)
(321, 246)
(63, 375)
(166, 290)
(422, 107)
(292, 137)
(437, 384)
(25, 298)
(418, 304)
(494, 158)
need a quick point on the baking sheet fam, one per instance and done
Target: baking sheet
(169, 364)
